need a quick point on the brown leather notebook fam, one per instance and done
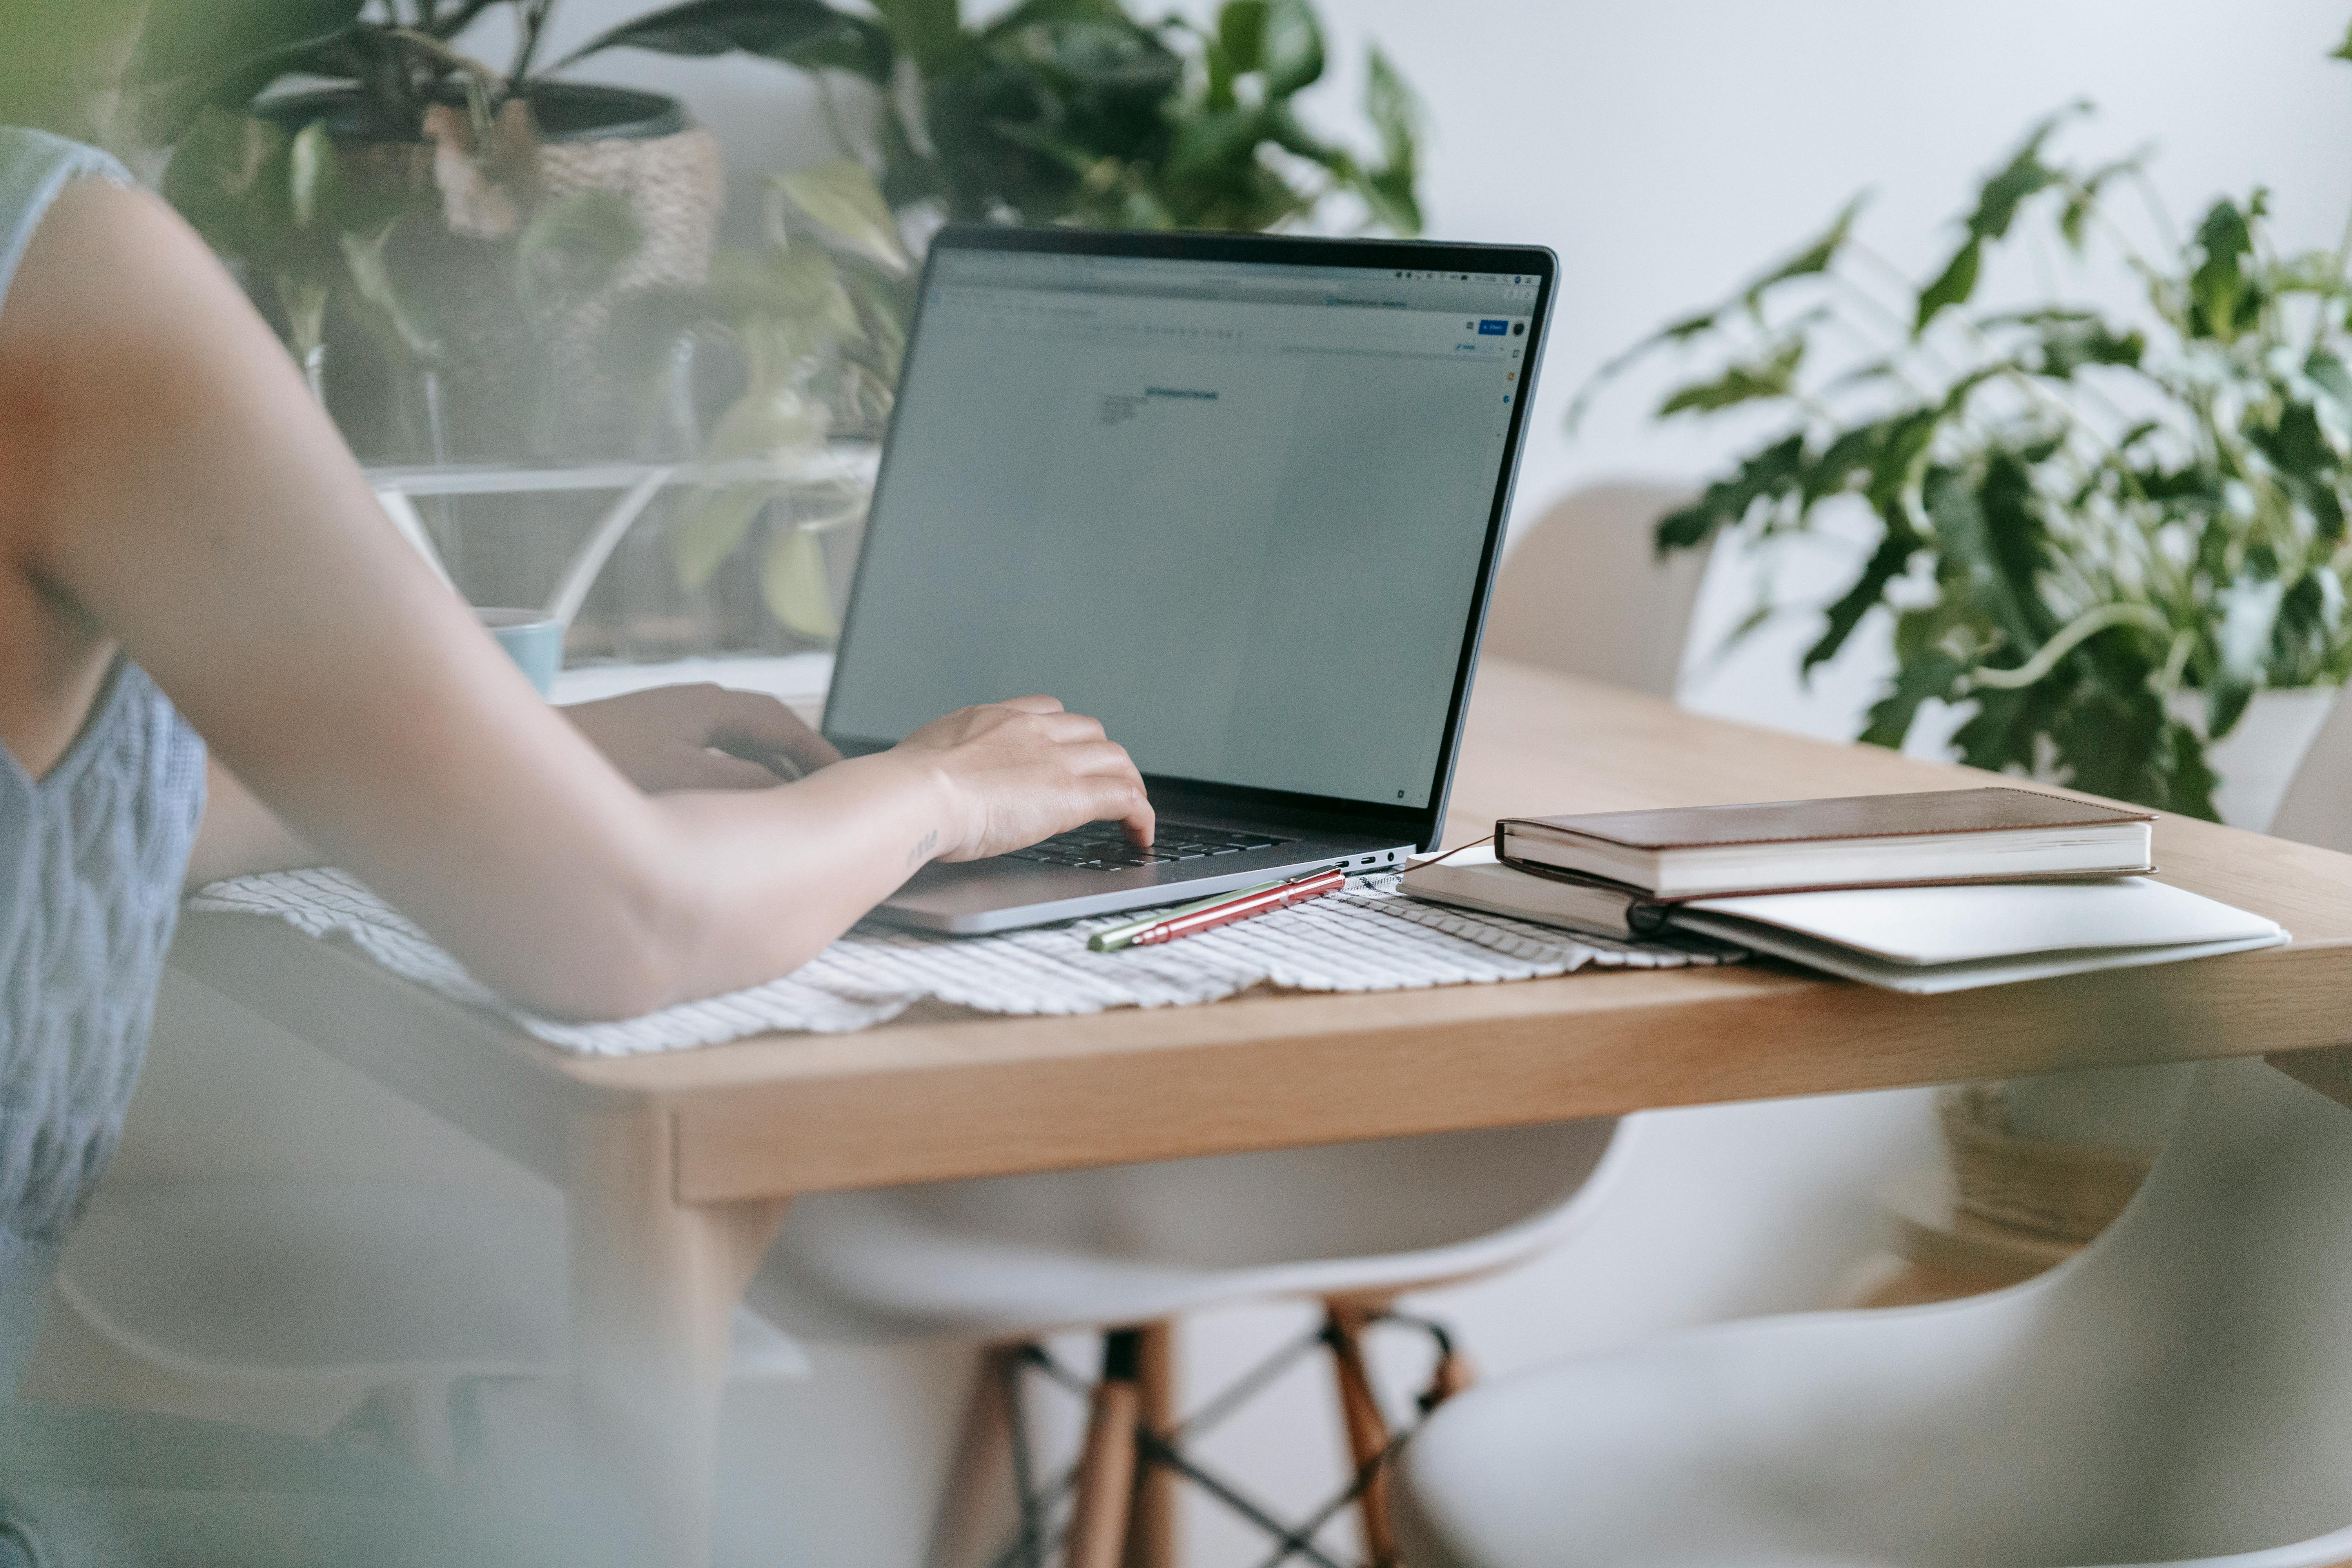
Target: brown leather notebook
(1991, 835)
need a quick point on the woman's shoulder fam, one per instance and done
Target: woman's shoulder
(33, 167)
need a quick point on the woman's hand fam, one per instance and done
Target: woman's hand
(701, 737)
(1019, 771)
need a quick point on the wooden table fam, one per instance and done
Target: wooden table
(678, 1168)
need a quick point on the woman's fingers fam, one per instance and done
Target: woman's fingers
(1126, 804)
(755, 726)
(1027, 769)
(703, 737)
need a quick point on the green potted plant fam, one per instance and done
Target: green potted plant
(2118, 546)
(2106, 540)
(1077, 111)
(521, 207)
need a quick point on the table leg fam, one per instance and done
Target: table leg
(654, 1284)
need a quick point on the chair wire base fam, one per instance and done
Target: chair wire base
(1045, 1518)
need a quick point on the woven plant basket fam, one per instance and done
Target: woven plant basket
(671, 173)
(676, 185)
(2066, 1192)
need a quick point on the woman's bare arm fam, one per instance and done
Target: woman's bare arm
(662, 739)
(167, 473)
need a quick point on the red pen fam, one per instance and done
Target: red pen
(1211, 913)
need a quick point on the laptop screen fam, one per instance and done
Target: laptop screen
(1236, 510)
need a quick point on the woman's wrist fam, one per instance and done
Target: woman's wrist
(937, 813)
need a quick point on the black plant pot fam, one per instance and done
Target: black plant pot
(565, 110)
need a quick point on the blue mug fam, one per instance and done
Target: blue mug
(533, 638)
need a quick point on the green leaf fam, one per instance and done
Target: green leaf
(1396, 115)
(2014, 533)
(2069, 340)
(313, 175)
(1972, 564)
(2095, 344)
(412, 317)
(1294, 47)
(804, 33)
(174, 75)
(227, 178)
(842, 199)
(1240, 34)
(1219, 93)
(1816, 258)
(2189, 779)
(304, 301)
(1687, 328)
(2225, 704)
(2083, 196)
(712, 527)
(1851, 455)
(1771, 377)
(2223, 298)
(2341, 51)
(1890, 560)
(1952, 286)
(201, 38)
(2309, 618)
(1213, 140)
(1769, 475)
(928, 32)
(792, 584)
(2295, 442)
(2024, 176)
(1900, 449)
(1932, 675)
(577, 244)
(1034, 13)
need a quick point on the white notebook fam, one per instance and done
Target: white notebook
(1928, 940)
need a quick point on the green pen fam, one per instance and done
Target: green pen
(1117, 937)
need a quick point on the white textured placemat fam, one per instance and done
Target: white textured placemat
(1368, 938)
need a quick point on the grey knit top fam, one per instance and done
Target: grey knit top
(91, 858)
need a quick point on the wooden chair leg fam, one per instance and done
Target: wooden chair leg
(1107, 1470)
(978, 1480)
(1151, 1540)
(1368, 1430)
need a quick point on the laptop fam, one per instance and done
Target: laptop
(1238, 497)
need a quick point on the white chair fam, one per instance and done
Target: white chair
(2181, 1392)
(2317, 807)
(429, 1298)
(1135, 1247)
(1584, 590)
(318, 1307)
(346, 1306)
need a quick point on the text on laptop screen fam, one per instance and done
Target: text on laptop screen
(1234, 511)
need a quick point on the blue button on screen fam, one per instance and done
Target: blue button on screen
(1491, 328)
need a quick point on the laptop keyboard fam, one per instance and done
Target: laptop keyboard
(1103, 846)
